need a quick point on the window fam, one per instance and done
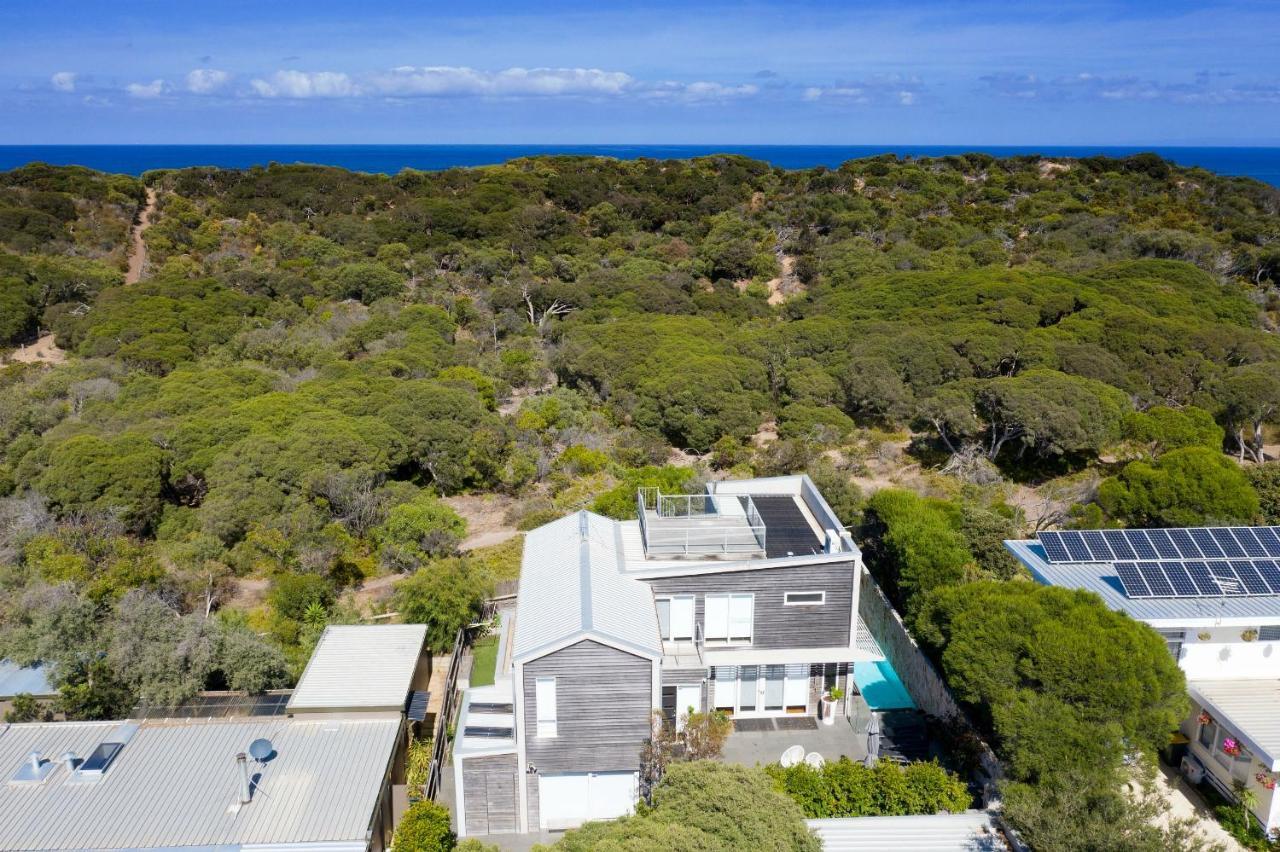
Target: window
(729, 618)
(1269, 634)
(1173, 641)
(545, 706)
(675, 618)
(805, 598)
(1208, 733)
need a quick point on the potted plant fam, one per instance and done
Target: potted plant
(1204, 718)
(1266, 779)
(1204, 635)
(829, 700)
(1249, 634)
(1230, 746)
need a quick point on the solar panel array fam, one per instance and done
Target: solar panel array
(1195, 562)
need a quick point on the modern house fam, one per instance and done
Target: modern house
(1214, 595)
(18, 680)
(742, 599)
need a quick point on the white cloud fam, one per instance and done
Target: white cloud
(64, 81)
(204, 81)
(882, 89)
(1203, 88)
(154, 89)
(445, 81)
(305, 84)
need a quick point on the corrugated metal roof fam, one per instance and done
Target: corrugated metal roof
(172, 785)
(1249, 706)
(1100, 577)
(571, 585)
(360, 666)
(15, 680)
(971, 831)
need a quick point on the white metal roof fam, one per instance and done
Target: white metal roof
(15, 680)
(360, 667)
(571, 585)
(1248, 706)
(1100, 577)
(971, 831)
(173, 784)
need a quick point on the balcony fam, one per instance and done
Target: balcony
(693, 526)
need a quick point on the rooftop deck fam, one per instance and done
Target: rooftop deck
(700, 525)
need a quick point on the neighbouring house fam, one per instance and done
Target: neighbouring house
(366, 667)
(1214, 595)
(971, 831)
(742, 599)
(316, 783)
(18, 680)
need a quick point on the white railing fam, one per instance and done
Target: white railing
(699, 524)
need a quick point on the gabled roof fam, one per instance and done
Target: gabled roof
(360, 667)
(571, 586)
(15, 680)
(1249, 706)
(971, 831)
(1101, 578)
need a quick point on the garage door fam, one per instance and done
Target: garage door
(565, 801)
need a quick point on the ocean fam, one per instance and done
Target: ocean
(1260, 163)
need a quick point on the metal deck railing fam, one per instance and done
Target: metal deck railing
(699, 524)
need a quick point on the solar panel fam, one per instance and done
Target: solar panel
(1156, 581)
(1163, 544)
(1227, 541)
(1076, 547)
(1253, 582)
(1134, 585)
(1180, 580)
(1269, 540)
(1249, 543)
(1124, 545)
(1186, 547)
(1226, 579)
(1054, 549)
(1270, 572)
(1204, 540)
(1199, 574)
(1098, 546)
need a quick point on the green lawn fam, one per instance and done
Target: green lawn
(486, 661)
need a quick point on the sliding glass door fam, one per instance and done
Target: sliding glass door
(773, 690)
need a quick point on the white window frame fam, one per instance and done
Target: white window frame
(657, 601)
(729, 638)
(545, 706)
(821, 601)
(692, 602)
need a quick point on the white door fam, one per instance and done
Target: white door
(686, 697)
(567, 801)
(612, 794)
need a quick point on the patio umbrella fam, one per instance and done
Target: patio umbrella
(873, 740)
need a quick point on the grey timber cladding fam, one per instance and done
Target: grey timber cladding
(777, 625)
(604, 698)
(535, 818)
(683, 677)
(491, 790)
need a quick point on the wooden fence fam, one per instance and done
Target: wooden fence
(440, 740)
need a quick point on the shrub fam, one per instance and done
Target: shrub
(1182, 488)
(848, 789)
(424, 828)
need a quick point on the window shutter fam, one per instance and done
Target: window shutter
(740, 615)
(664, 617)
(682, 618)
(545, 701)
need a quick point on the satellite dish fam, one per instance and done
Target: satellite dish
(262, 750)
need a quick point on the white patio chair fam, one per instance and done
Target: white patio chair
(792, 756)
(815, 760)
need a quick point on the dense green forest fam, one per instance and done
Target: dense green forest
(316, 364)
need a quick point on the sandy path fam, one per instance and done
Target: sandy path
(43, 351)
(138, 249)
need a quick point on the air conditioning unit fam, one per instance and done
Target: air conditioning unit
(1192, 769)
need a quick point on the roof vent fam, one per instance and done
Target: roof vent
(34, 770)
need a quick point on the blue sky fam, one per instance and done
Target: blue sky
(1016, 73)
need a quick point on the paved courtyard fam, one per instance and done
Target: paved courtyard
(751, 747)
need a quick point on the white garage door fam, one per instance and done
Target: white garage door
(565, 801)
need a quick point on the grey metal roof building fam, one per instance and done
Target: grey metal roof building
(16, 680)
(971, 831)
(177, 785)
(1101, 577)
(360, 667)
